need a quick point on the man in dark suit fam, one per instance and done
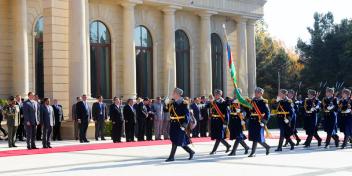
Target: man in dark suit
(196, 113)
(141, 113)
(99, 116)
(59, 117)
(74, 118)
(116, 119)
(129, 115)
(47, 121)
(203, 118)
(30, 120)
(83, 117)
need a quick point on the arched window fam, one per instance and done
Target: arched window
(182, 62)
(217, 62)
(144, 61)
(39, 59)
(100, 60)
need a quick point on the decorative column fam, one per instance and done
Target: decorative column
(129, 53)
(242, 55)
(78, 49)
(251, 54)
(56, 53)
(205, 55)
(169, 50)
(20, 49)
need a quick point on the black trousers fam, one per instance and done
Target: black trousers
(196, 130)
(99, 128)
(46, 135)
(83, 131)
(149, 123)
(20, 130)
(203, 124)
(129, 130)
(116, 132)
(57, 131)
(39, 132)
(31, 134)
(141, 129)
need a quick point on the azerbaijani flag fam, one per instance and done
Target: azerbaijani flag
(232, 68)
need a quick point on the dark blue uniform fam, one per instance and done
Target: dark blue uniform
(179, 119)
(330, 108)
(311, 108)
(346, 117)
(285, 112)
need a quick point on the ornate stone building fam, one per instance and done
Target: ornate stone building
(65, 48)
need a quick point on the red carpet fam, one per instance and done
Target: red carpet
(83, 147)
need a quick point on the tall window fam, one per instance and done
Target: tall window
(183, 62)
(39, 59)
(100, 59)
(217, 61)
(144, 61)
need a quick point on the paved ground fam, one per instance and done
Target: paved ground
(150, 161)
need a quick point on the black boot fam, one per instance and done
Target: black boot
(279, 147)
(289, 140)
(233, 152)
(254, 148)
(345, 140)
(227, 145)
(286, 143)
(327, 142)
(297, 139)
(308, 141)
(267, 147)
(190, 151)
(172, 153)
(245, 146)
(316, 136)
(216, 145)
(336, 139)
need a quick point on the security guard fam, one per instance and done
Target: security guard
(285, 112)
(311, 108)
(330, 108)
(259, 116)
(345, 112)
(179, 119)
(219, 120)
(236, 126)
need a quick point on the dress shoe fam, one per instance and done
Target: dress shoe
(29, 148)
(278, 150)
(170, 160)
(319, 143)
(34, 147)
(212, 153)
(103, 139)
(251, 155)
(49, 146)
(298, 141)
(191, 156)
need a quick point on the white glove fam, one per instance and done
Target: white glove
(167, 100)
(278, 99)
(238, 110)
(330, 107)
(224, 126)
(317, 107)
(262, 124)
(286, 121)
(312, 109)
(348, 111)
(183, 128)
(243, 122)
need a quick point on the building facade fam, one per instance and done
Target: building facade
(126, 48)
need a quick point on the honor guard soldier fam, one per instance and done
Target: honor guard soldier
(330, 108)
(12, 114)
(311, 108)
(219, 121)
(284, 115)
(259, 116)
(346, 116)
(236, 126)
(296, 106)
(179, 119)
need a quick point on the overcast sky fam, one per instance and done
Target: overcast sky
(288, 20)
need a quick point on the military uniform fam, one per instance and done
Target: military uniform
(256, 124)
(179, 119)
(219, 122)
(236, 126)
(346, 117)
(285, 112)
(311, 108)
(330, 108)
(12, 115)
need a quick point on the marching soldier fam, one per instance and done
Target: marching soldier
(346, 116)
(259, 116)
(311, 108)
(285, 113)
(179, 119)
(296, 106)
(219, 121)
(12, 115)
(330, 107)
(236, 126)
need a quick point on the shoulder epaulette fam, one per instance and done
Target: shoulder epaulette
(265, 101)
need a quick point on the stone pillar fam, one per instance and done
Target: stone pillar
(78, 49)
(20, 49)
(242, 55)
(251, 54)
(205, 55)
(56, 52)
(129, 53)
(169, 50)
